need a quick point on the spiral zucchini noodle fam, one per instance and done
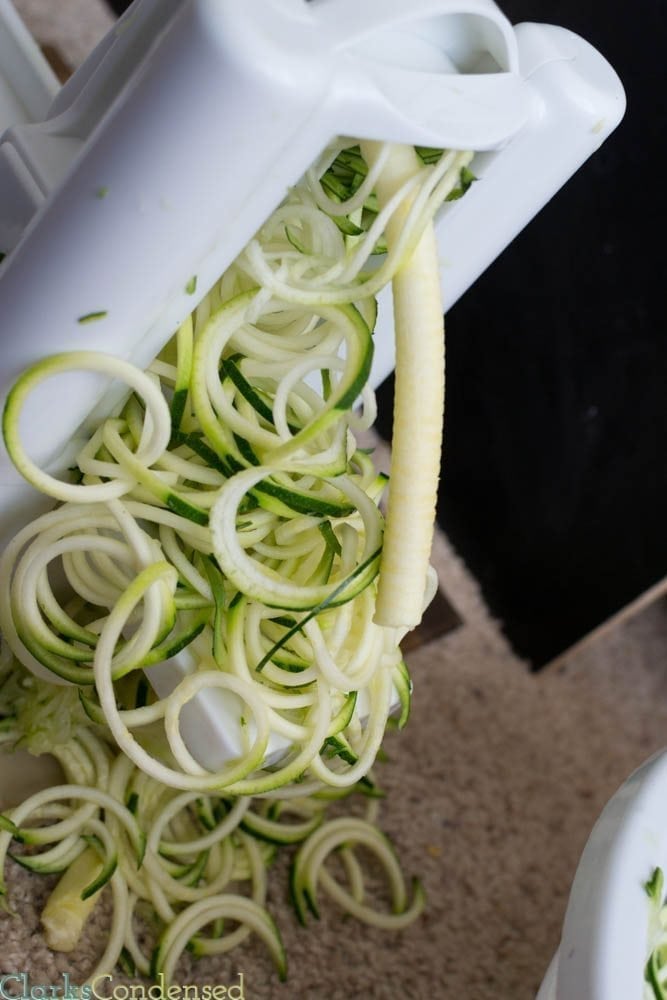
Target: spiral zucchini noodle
(228, 514)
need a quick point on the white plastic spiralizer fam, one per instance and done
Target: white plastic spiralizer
(194, 117)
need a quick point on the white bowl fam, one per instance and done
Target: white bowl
(604, 944)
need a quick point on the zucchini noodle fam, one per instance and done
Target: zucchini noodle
(226, 519)
(655, 970)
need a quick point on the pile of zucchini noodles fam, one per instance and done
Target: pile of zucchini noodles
(225, 515)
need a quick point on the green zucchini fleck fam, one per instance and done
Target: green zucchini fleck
(91, 317)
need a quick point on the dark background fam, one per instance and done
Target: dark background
(554, 485)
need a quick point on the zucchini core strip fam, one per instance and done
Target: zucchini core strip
(419, 398)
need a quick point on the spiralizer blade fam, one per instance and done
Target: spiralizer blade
(184, 129)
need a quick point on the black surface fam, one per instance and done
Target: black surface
(118, 6)
(554, 486)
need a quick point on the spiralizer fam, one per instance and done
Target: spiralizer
(168, 148)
